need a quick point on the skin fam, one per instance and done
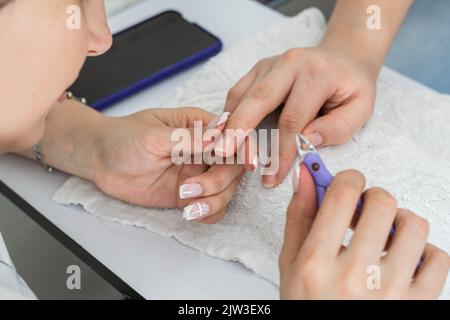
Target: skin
(315, 265)
(328, 91)
(127, 157)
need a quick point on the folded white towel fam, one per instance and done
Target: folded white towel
(403, 148)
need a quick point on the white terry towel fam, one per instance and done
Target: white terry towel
(404, 148)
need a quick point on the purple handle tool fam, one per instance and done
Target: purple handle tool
(323, 178)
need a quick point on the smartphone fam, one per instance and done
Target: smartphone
(143, 55)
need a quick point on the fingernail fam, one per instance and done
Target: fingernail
(315, 138)
(196, 211)
(268, 181)
(218, 121)
(223, 145)
(296, 176)
(190, 190)
(255, 161)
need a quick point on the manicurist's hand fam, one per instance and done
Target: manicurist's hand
(314, 264)
(325, 92)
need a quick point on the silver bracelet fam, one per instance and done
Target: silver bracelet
(40, 158)
(37, 147)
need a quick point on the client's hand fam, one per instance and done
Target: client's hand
(314, 264)
(134, 164)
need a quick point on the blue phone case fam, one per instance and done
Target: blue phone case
(161, 74)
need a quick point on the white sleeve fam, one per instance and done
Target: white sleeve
(12, 286)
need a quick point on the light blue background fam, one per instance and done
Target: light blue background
(422, 48)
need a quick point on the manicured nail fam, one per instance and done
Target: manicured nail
(223, 145)
(190, 190)
(255, 161)
(196, 211)
(296, 176)
(268, 180)
(315, 138)
(218, 121)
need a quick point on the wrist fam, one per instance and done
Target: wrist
(85, 147)
(71, 139)
(368, 56)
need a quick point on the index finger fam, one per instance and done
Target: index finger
(263, 97)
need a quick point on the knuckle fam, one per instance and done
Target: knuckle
(349, 289)
(349, 278)
(351, 281)
(440, 257)
(310, 266)
(291, 55)
(190, 109)
(234, 93)
(186, 112)
(416, 224)
(290, 121)
(350, 180)
(384, 201)
(262, 91)
(217, 182)
(344, 193)
(261, 63)
(344, 130)
(318, 65)
(236, 121)
(391, 292)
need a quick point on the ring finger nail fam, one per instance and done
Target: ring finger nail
(196, 210)
(255, 161)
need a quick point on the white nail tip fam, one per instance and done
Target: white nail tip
(296, 176)
(255, 161)
(223, 118)
(195, 211)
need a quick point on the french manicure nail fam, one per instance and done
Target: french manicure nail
(268, 180)
(296, 176)
(255, 161)
(218, 121)
(315, 138)
(190, 190)
(222, 119)
(196, 211)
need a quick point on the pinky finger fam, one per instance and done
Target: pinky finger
(430, 278)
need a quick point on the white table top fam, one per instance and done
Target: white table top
(155, 266)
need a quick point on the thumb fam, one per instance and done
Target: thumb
(300, 215)
(337, 126)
